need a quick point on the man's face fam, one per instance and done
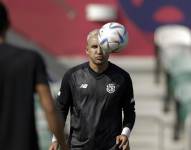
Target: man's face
(94, 52)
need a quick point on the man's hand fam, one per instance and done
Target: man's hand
(55, 146)
(123, 142)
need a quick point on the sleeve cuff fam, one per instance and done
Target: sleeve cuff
(126, 131)
(54, 139)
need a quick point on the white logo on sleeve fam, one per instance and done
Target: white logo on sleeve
(83, 86)
(110, 88)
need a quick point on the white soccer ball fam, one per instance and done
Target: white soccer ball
(112, 37)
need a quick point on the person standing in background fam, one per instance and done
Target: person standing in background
(22, 74)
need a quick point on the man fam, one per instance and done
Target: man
(96, 93)
(22, 73)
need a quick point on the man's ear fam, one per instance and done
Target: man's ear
(87, 52)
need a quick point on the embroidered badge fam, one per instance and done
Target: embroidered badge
(110, 88)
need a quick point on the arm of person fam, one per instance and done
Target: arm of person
(54, 122)
(128, 104)
(63, 102)
(42, 89)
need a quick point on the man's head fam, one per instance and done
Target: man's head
(96, 55)
(4, 19)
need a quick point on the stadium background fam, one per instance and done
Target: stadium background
(58, 29)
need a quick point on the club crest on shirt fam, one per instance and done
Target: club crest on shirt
(110, 88)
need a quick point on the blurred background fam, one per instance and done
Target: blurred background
(157, 57)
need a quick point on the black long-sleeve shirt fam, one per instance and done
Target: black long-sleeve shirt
(20, 71)
(96, 102)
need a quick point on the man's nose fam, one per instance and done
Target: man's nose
(99, 50)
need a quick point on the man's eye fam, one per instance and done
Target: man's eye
(94, 46)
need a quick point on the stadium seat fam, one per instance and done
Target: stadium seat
(180, 85)
(169, 35)
(170, 41)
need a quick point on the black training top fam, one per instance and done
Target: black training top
(96, 102)
(20, 71)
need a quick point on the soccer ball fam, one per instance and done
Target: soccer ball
(112, 37)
